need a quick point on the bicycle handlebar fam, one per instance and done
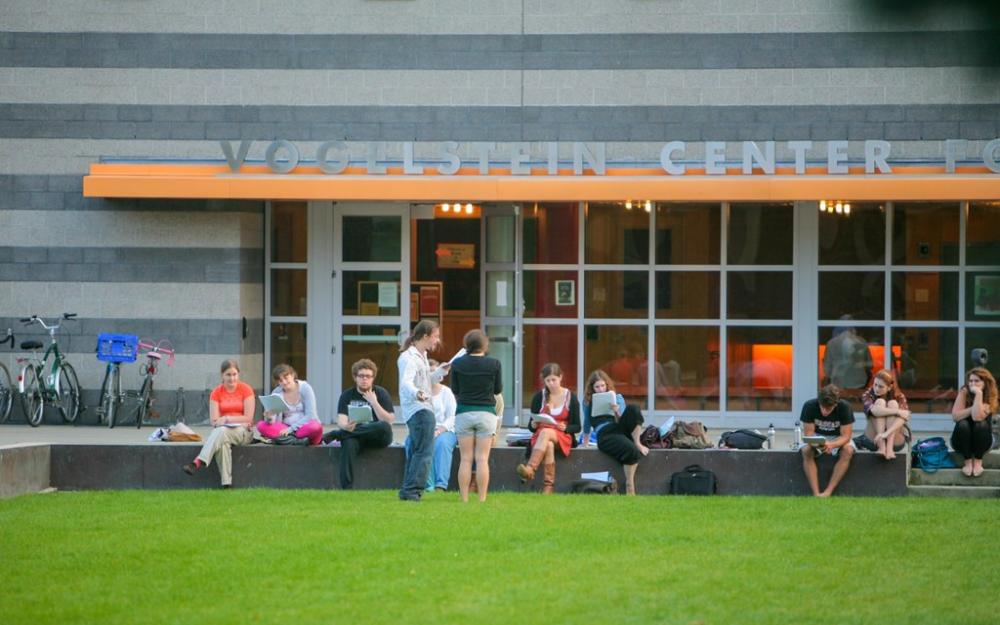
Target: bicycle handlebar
(159, 348)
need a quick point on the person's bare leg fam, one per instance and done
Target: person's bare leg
(483, 446)
(630, 478)
(809, 468)
(889, 453)
(839, 469)
(465, 449)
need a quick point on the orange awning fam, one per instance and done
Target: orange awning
(215, 181)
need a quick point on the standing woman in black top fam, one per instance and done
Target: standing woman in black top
(475, 380)
(973, 412)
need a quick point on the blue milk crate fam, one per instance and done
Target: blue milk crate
(117, 347)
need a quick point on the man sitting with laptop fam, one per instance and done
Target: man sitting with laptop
(364, 416)
(827, 423)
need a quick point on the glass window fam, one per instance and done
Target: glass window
(688, 234)
(849, 357)
(760, 234)
(982, 234)
(924, 296)
(851, 295)
(288, 232)
(687, 294)
(500, 241)
(550, 294)
(617, 294)
(621, 352)
(925, 234)
(500, 293)
(372, 239)
(288, 292)
(982, 296)
(687, 368)
(545, 344)
(550, 234)
(288, 345)
(856, 239)
(378, 343)
(616, 235)
(368, 293)
(502, 348)
(982, 338)
(759, 362)
(927, 367)
(759, 294)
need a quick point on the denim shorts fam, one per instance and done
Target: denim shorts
(480, 424)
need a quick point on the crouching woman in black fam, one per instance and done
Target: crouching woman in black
(973, 412)
(618, 433)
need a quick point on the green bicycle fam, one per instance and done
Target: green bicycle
(40, 382)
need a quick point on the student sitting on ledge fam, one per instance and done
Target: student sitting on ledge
(831, 417)
(369, 401)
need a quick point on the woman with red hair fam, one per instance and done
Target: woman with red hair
(888, 414)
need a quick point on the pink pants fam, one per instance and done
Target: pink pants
(313, 430)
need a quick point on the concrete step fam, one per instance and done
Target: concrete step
(990, 460)
(958, 492)
(954, 477)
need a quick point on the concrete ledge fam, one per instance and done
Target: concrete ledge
(158, 466)
(24, 469)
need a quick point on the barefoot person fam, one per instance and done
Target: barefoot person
(973, 412)
(830, 416)
(230, 410)
(618, 432)
(888, 414)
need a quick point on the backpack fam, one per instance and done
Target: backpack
(651, 438)
(693, 480)
(689, 435)
(932, 454)
(742, 439)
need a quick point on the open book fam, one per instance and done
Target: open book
(602, 404)
(543, 418)
(273, 403)
(360, 414)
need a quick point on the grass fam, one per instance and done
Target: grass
(289, 557)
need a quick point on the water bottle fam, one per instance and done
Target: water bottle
(798, 436)
(770, 436)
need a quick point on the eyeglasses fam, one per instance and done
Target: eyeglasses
(365, 375)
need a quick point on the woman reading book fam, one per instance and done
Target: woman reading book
(559, 419)
(616, 426)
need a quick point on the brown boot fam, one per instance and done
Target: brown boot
(548, 478)
(526, 471)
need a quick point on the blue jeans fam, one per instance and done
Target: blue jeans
(439, 472)
(421, 426)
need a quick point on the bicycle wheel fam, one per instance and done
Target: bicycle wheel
(6, 394)
(111, 396)
(69, 393)
(145, 399)
(31, 397)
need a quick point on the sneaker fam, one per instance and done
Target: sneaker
(440, 489)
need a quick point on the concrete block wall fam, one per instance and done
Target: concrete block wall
(106, 79)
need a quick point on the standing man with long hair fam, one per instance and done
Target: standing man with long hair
(415, 403)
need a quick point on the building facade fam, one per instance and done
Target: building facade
(723, 204)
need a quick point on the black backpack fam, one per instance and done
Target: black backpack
(742, 439)
(693, 480)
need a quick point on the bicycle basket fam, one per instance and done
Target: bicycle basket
(117, 347)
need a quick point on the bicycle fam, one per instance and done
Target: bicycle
(114, 349)
(154, 353)
(59, 386)
(6, 390)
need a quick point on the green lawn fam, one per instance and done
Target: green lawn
(289, 557)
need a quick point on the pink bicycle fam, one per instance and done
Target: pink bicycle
(154, 353)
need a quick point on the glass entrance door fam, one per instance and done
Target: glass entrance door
(371, 259)
(500, 298)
